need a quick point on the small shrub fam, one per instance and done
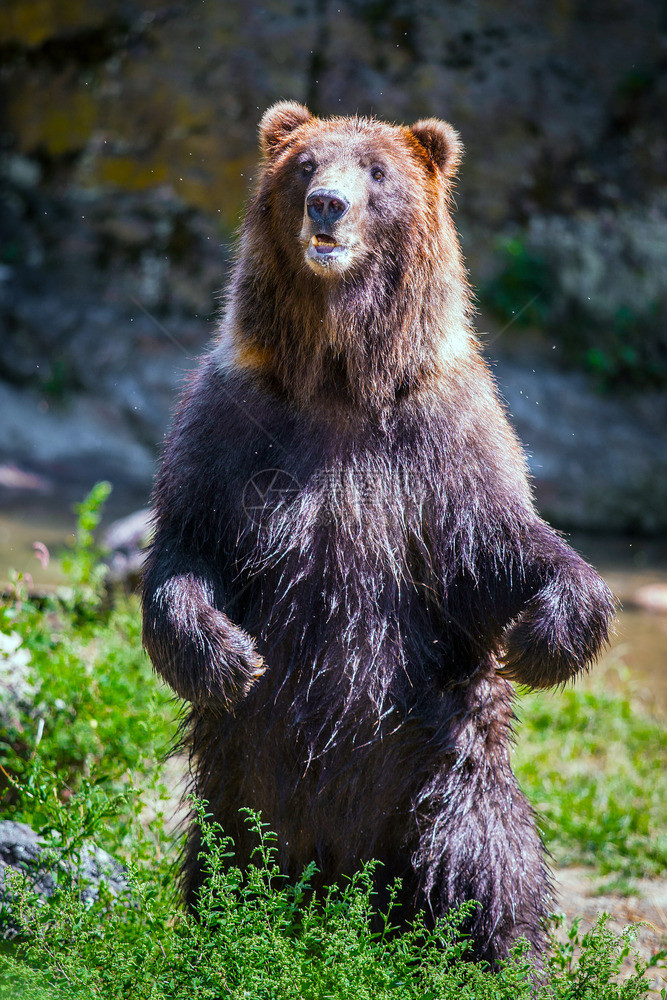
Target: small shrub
(257, 934)
(82, 561)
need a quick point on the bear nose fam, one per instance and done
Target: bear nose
(326, 206)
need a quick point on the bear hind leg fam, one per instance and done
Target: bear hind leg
(488, 850)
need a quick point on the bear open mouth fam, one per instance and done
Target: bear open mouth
(324, 244)
(326, 255)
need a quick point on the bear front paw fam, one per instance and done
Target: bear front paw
(233, 665)
(560, 632)
(206, 658)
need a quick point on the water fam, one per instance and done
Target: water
(639, 647)
(638, 650)
(51, 521)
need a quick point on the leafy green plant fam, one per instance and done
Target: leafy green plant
(82, 562)
(96, 708)
(256, 934)
(97, 704)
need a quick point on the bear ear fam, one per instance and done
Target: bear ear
(277, 123)
(441, 142)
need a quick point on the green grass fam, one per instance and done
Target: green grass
(592, 765)
(83, 760)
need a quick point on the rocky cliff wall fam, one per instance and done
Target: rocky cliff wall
(128, 141)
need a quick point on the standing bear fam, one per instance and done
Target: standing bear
(348, 570)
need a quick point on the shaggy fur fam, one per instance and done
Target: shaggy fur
(347, 650)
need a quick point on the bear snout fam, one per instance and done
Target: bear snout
(327, 247)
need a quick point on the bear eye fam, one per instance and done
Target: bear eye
(307, 168)
(377, 174)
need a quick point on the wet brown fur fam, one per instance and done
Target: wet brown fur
(346, 650)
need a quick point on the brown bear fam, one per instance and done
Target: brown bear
(348, 570)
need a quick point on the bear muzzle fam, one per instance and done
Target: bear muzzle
(325, 251)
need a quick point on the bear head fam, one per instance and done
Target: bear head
(349, 286)
(343, 191)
